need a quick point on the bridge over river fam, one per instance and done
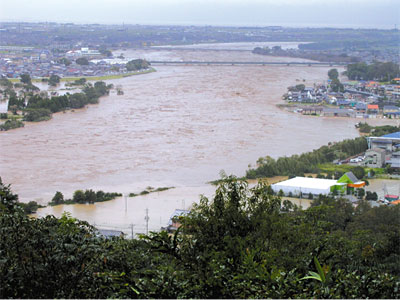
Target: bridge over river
(235, 63)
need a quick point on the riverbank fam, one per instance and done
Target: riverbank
(179, 126)
(92, 78)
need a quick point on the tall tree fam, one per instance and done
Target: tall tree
(333, 74)
(26, 79)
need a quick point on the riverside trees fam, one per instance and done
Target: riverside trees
(137, 64)
(382, 71)
(40, 107)
(306, 162)
(243, 243)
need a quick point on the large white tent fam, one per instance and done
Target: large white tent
(305, 185)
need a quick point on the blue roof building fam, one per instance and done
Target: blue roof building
(394, 135)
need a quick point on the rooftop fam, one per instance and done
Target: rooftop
(352, 177)
(178, 213)
(306, 182)
(395, 135)
(379, 150)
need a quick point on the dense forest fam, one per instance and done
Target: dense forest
(244, 243)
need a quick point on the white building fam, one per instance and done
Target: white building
(82, 52)
(3, 106)
(304, 185)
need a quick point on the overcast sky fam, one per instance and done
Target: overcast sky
(314, 13)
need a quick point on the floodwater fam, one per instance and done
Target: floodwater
(179, 126)
(378, 185)
(237, 46)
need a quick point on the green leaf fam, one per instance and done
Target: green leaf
(135, 290)
(312, 275)
(319, 269)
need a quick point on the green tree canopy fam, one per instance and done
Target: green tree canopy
(54, 80)
(381, 71)
(137, 64)
(64, 61)
(26, 79)
(82, 61)
(242, 243)
(333, 74)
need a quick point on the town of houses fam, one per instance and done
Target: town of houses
(41, 63)
(360, 99)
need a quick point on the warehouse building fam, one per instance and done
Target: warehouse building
(299, 186)
(303, 185)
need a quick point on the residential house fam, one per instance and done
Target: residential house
(338, 112)
(312, 110)
(391, 111)
(361, 107)
(343, 102)
(174, 223)
(373, 109)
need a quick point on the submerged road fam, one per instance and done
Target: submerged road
(235, 63)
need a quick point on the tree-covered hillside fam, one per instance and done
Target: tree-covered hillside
(245, 243)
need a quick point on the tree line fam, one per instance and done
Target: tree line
(321, 55)
(381, 71)
(297, 165)
(243, 243)
(307, 162)
(83, 197)
(38, 107)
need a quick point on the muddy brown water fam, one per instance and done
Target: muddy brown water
(176, 127)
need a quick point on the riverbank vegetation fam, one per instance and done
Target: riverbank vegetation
(312, 162)
(313, 55)
(84, 197)
(137, 65)
(306, 162)
(37, 107)
(11, 124)
(149, 190)
(243, 243)
(381, 71)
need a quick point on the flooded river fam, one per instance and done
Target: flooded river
(176, 127)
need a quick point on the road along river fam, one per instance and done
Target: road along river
(176, 127)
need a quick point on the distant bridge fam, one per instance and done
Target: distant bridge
(235, 63)
(195, 49)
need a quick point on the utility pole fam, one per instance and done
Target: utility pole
(132, 231)
(126, 203)
(147, 220)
